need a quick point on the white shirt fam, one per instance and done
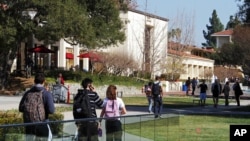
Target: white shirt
(119, 101)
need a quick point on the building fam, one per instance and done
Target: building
(146, 39)
(223, 37)
(192, 65)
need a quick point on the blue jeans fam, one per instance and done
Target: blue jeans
(157, 105)
(150, 103)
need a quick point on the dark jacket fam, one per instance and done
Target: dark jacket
(237, 89)
(47, 99)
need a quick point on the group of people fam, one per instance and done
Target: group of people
(216, 90)
(87, 131)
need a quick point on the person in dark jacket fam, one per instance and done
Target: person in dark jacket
(39, 130)
(216, 90)
(237, 92)
(89, 132)
(226, 91)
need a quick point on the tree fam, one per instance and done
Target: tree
(180, 38)
(90, 23)
(117, 64)
(215, 26)
(233, 22)
(244, 11)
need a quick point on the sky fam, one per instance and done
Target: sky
(200, 10)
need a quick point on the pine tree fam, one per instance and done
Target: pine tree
(215, 26)
(244, 11)
(233, 22)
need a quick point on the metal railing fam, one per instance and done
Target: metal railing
(134, 128)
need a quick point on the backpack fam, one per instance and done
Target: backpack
(33, 107)
(112, 109)
(81, 105)
(156, 89)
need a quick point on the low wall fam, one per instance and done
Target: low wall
(101, 90)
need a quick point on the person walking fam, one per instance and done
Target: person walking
(113, 108)
(216, 90)
(226, 90)
(157, 96)
(87, 131)
(203, 94)
(148, 92)
(187, 84)
(60, 79)
(37, 101)
(237, 92)
(29, 65)
(194, 84)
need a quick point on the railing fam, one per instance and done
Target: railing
(174, 126)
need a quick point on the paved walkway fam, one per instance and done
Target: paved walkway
(11, 102)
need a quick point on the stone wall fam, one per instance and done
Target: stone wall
(101, 90)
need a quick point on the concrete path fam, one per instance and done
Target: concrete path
(12, 102)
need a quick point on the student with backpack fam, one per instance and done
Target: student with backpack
(36, 105)
(157, 96)
(113, 108)
(84, 106)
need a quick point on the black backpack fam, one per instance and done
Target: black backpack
(156, 89)
(81, 105)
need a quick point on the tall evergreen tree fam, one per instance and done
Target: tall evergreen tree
(215, 26)
(233, 22)
(244, 11)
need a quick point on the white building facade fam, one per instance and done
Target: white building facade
(144, 32)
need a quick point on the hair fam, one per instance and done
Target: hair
(227, 83)
(39, 78)
(86, 82)
(111, 92)
(150, 83)
(157, 77)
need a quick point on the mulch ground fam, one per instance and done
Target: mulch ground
(16, 85)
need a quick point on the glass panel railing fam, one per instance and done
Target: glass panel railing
(170, 127)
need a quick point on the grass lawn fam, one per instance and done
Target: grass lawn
(168, 102)
(187, 128)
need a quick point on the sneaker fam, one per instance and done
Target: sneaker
(156, 116)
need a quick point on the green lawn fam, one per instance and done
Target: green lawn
(168, 102)
(187, 128)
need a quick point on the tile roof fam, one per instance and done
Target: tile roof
(228, 32)
(180, 53)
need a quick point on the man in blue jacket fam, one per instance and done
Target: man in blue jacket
(25, 106)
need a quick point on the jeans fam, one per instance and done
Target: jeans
(157, 105)
(150, 103)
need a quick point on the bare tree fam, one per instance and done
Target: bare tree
(152, 42)
(180, 37)
(118, 64)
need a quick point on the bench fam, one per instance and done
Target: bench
(197, 100)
